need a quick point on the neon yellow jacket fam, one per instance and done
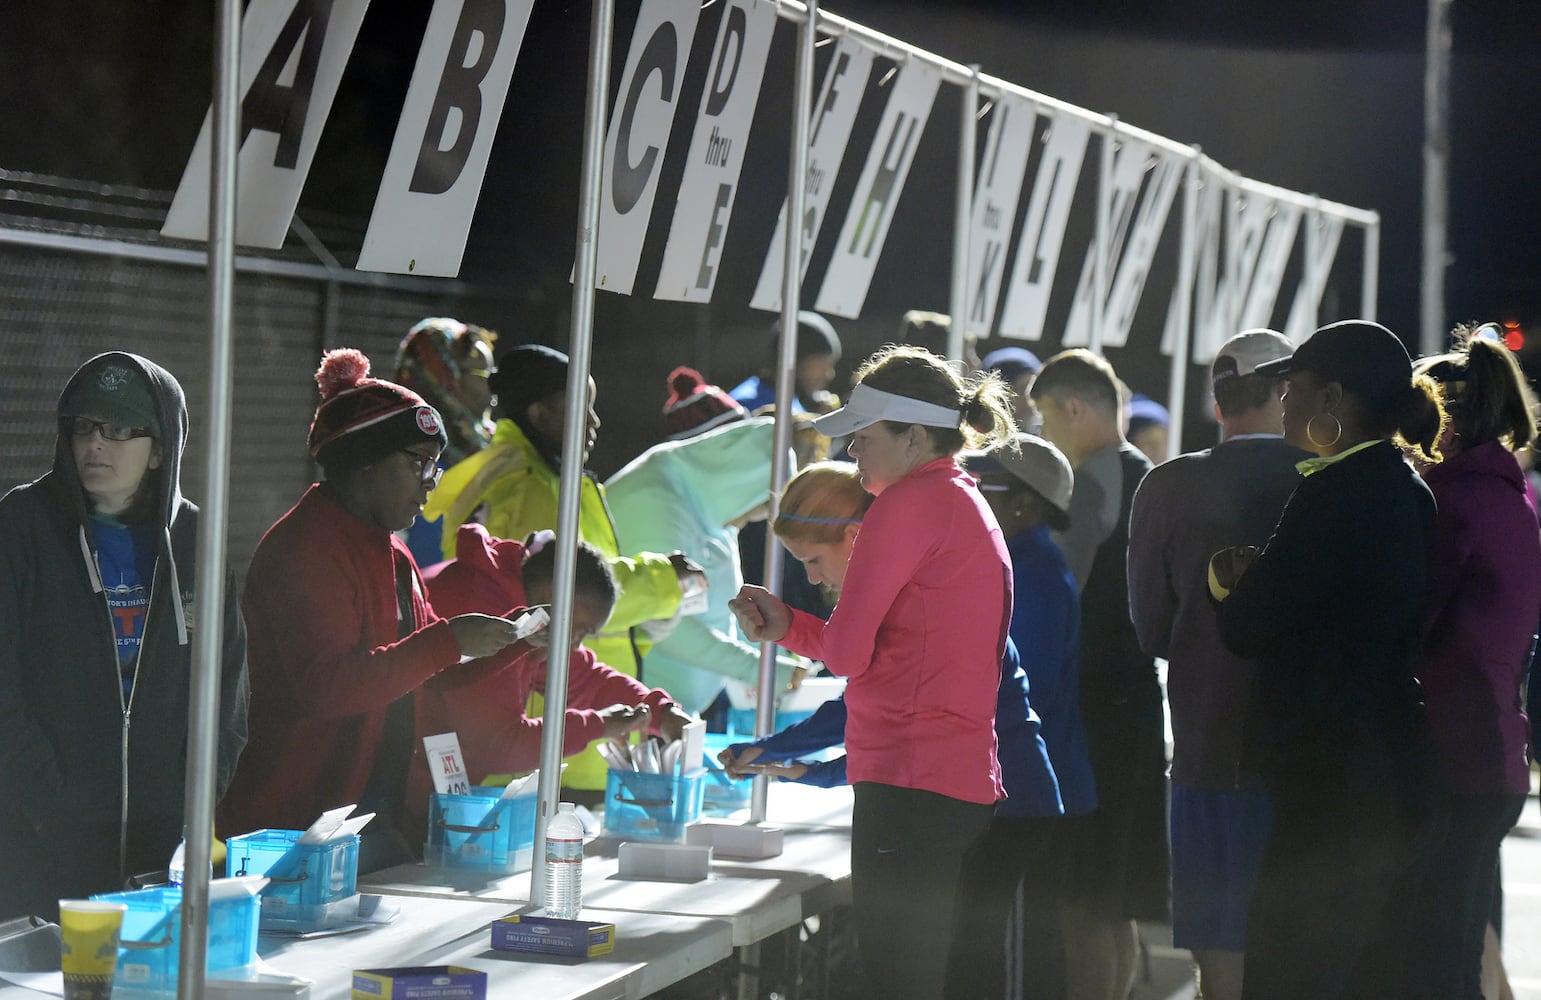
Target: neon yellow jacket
(520, 490)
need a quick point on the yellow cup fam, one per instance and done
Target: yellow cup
(89, 952)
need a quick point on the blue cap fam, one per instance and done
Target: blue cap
(1012, 362)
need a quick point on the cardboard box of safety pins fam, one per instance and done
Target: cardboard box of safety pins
(553, 936)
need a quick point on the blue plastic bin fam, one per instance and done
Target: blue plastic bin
(152, 937)
(309, 885)
(741, 722)
(482, 830)
(723, 794)
(642, 806)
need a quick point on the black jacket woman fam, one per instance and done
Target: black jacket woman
(97, 577)
(1332, 609)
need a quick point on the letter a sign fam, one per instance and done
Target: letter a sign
(292, 57)
(433, 177)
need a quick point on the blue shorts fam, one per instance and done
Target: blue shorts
(1218, 836)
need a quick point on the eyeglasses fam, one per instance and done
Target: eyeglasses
(428, 471)
(83, 426)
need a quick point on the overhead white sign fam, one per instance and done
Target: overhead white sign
(705, 201)
(1323, 233)
(1162, 180)
(639, 134)
(1247, 222)
(1043, 229)
(1210, 292)
(1268, 276)
(292, 57)
(1130, 160)
(996, 193)
(438, 159)
(845, 285)
(833, 115)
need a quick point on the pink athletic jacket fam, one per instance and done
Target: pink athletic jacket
(919, 633)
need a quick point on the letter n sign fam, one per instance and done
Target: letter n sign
(433, 176)
(292, 57)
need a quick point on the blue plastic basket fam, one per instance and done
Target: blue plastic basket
(309, 885)
(152, 937)
(482, 830)
(643, 806)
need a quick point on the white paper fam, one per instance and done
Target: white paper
(693, 599)
(530, 622)
(350, 827)
(323, 827)
(446, 765)
(693, 736)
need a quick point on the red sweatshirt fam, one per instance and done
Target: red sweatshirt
(919, 632)
(487, 709)
(325, 663)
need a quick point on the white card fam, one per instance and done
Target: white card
(446, 765)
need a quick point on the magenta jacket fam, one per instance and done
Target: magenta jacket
(1484, 605)
(919, 633)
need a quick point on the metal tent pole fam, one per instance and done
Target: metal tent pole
(963, 216)
(1369, 288)
(786, 365)
(203, 698)
(1436, 176)
(573, 434)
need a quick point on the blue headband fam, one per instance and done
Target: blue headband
(818, 520)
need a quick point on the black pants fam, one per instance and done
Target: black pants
(1326, 920)
(907, 849)
(1006, 939)
(1452, 897)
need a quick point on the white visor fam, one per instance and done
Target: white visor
(867, 406)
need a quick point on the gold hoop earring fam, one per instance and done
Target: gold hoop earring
(1337, 434)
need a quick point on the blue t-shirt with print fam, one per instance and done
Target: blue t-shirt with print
(125, 556)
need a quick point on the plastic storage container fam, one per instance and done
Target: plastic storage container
(724, 794)
(482, 830)
(310, 886)
(642, 806)
(792, 707)
(152, 937)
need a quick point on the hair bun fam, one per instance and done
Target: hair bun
(341, 369)
(685, 381)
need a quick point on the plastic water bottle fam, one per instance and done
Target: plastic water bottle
(176, 868)
(564, 863)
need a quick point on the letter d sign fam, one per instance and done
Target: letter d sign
(433, 177)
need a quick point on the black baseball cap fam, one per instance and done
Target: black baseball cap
(1365, 358)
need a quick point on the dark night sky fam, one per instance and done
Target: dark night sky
(1321, 98)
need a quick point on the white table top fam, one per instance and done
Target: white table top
(755, 902)
(652, 951)
(757, 898)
